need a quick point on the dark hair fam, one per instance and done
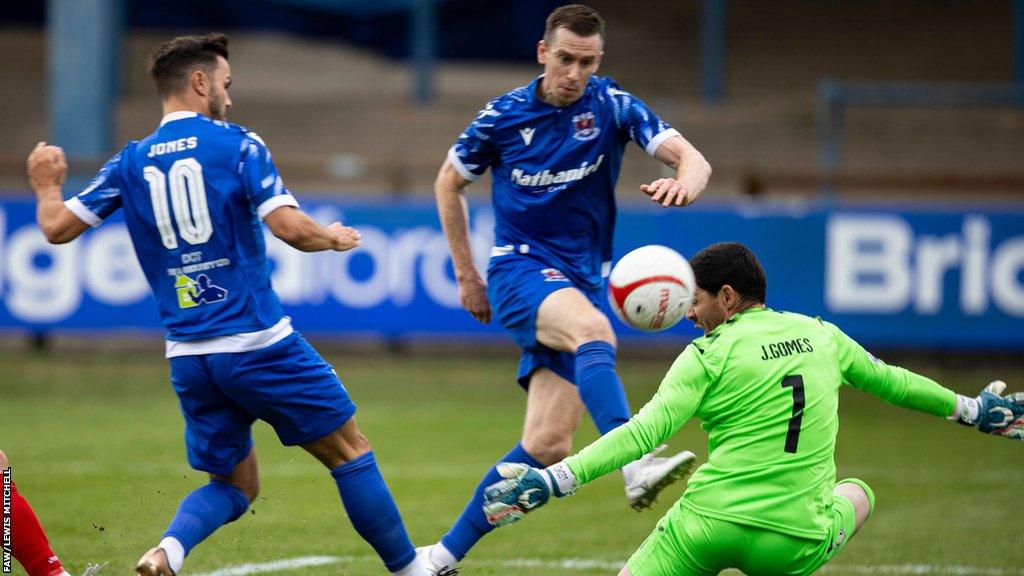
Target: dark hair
(171, 64)
(730, 263)
(576, 18)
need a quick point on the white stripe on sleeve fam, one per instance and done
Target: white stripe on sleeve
(456, 162)
(78, 208)
(275, 202)
(652, 146)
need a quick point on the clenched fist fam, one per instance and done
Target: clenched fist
(47, 167)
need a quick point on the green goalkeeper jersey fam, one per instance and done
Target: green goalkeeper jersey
(765, 385)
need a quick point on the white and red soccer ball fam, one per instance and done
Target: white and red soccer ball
(651, 288)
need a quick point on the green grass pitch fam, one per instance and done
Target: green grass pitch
(96, 445)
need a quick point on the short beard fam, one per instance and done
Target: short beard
(216, 105)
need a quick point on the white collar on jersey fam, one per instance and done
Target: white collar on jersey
(179, 115)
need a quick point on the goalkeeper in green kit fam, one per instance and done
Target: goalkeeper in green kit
(765, 384)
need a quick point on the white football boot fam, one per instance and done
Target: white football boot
(423, 557)
(649, 475)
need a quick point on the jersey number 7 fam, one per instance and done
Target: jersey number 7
(795, 382)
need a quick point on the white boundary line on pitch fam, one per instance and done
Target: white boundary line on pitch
(292, 564)
(592, 564)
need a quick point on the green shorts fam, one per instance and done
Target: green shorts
(686, 543)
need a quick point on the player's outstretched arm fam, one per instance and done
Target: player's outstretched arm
(991, 412)
(301, 232)
(692, 174)
(452, 210)
(47, 170)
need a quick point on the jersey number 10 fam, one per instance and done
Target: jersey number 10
(188, 198)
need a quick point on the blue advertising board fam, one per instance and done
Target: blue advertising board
(927, 277)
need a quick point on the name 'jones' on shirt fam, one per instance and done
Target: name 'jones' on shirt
(787, 348)
(179, 145)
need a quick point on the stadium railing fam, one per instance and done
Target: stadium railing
(836, 96)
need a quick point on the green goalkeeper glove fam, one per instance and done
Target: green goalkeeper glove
(991, 412)
(524, 489)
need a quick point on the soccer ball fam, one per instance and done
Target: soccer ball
(651, 288)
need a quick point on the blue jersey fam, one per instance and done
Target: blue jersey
(193, 193)
(554, 171)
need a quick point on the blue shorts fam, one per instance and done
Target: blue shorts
(288, 385)
(516, 285)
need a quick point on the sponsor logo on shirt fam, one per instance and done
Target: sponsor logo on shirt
(585, 125)
(202, 290)
(546, 177)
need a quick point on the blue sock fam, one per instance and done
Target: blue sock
(204, 510)
(373, 511)
(472, 524)
(600, 386)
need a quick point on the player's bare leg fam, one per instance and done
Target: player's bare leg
(857, 496)
(566, 320)
(343, 445)
(346, 452)
(569, 322)
(553, 412)
(166, 558)
(625, 571)
(245, 476)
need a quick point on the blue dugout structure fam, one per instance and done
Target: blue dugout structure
(1018, 42)
(84, 46)
(712, 51)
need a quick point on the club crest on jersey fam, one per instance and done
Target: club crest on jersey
(553, 275)
(585, 125)
(192, 293)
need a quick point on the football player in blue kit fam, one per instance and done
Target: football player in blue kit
(194, 193)
(554, 148)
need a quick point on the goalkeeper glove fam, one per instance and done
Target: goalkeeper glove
(525, 489)
(991, 412)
